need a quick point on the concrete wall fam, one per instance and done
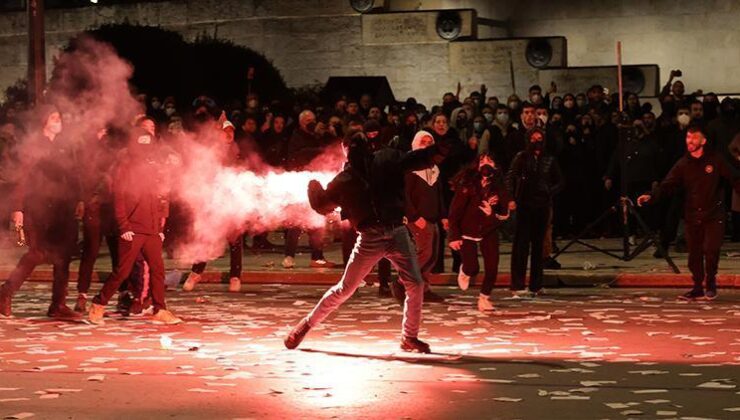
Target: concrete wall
(308, 41)
(700, 37)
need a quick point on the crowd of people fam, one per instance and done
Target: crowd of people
(530, 170)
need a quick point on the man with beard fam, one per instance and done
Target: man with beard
(532, 180)
(370, 192)
(140, 212)
(46, 202)
(700, 173)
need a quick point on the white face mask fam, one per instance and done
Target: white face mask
(684, 119)
(502, 118)
(544, 119)
(169, 111)
(55, 127)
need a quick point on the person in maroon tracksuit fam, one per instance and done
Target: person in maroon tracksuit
(140, 211)
(46, 203)
(480, 205)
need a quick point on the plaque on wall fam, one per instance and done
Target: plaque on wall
(449, 24)
(362, 6)
(538, 53)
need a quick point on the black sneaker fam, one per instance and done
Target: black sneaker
(398, 292)
(297, 335)
(125, 300)
(63, 313)
(5, 303)
(711, 294)
(413, 344)
(551, 264)
(432, 297)
(384, 291)
(658, 254)
(692, 295)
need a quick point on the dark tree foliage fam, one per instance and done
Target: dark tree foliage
(166, 65)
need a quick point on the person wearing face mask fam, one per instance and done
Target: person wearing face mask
(701, 174)
(505, 140)
(570, 109)
(46, 203)
(425, 209)
(370, 192)
(461, 123)
(481, 204)
(581, 104)
(514, 104)
(481, 137)
(488, 114)
(140, 212)
(556, 104)
(170, 107)
(533, 179)
(305, 144)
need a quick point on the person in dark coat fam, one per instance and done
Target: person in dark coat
(370, 191)
(46, 203)
(533, 179)
(479, 207)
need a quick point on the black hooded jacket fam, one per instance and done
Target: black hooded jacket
(374, 195)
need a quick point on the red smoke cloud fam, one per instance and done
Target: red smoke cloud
(91, 88)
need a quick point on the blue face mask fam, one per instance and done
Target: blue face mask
(478, 126)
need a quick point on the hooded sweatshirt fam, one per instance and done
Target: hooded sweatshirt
(424, 195)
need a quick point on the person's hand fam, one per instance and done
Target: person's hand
(80, 210)
(446, 224)
(128, 236)
(456, 245)
(608, 183)
(483, 89)
(493, 200)
(17, 218)
(643, 199)
(485, 207)
(161, 236)
(553, 87)
(421, 223)
(101, 133)
(512, 205)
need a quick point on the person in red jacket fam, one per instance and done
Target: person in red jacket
(140, 212)
(480, 205)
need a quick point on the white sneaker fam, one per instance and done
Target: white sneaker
(522, 294)
(192, 280)
(485, 304)
(463, 280)
(235, 285)
(288, 262)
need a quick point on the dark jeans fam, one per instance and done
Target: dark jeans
(704, 240)
(489, 249)
(529, 230)
(315, 241)
(128, 251)
(28, 262)
(236, 248)
(92, 236)
(439, 267)
(372, 245)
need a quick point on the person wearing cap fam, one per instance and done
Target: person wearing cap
(229, 153)
(46, 203)
(533, 179)
(140, 210)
